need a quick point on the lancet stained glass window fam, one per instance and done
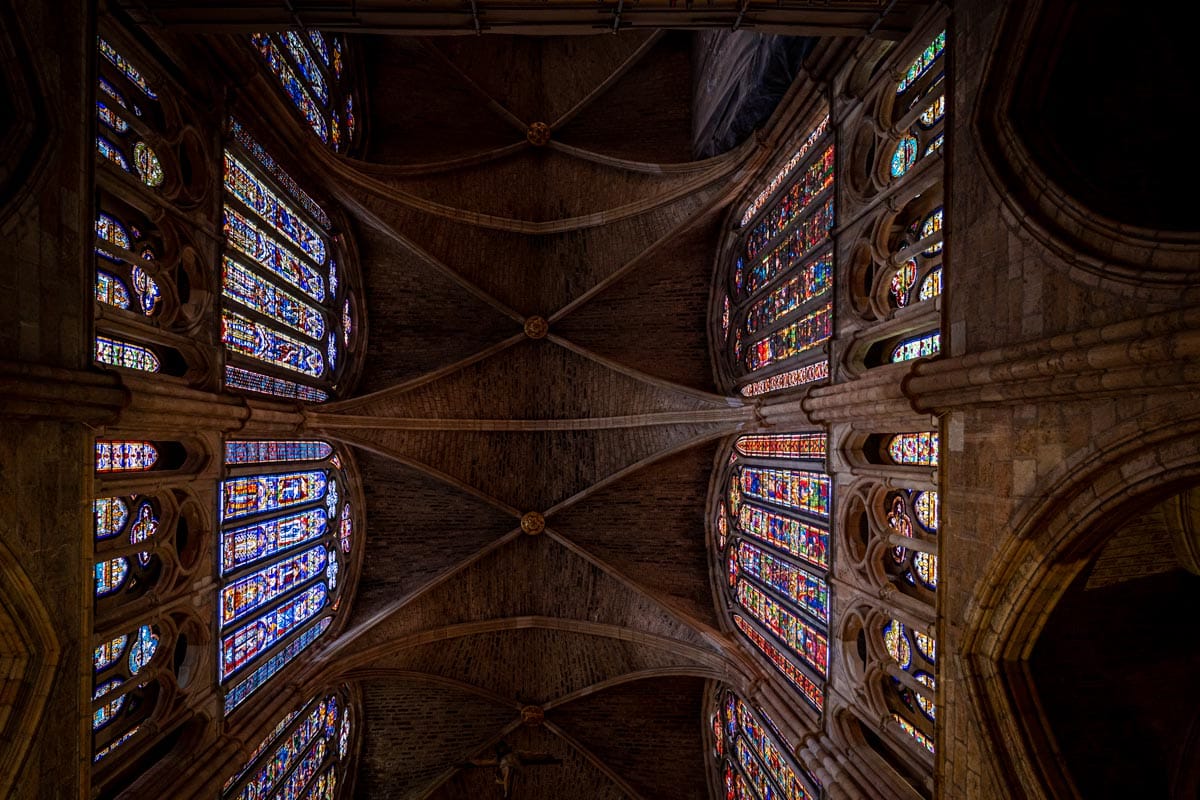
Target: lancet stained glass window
(756, 763)
(120, 142)
(282, 510)
(773, 545)
(304, 755)
(779, 309)
(310, 71)
(285, 313)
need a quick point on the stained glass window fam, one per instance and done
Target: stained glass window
(912, 652)
(777, 306)
(757, 763)
(305, 750)
(116, 353)
(774, 559)
(125, 149)
(920, 346)
(918, 737)
(914, 448)
(800, 376)
(932, 225)
(120, 62)
(121, 455)
(309, 70)
(904, 156)
(923, 62)
(789, 445)
(278, 543)
(285, 309)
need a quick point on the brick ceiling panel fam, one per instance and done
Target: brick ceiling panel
(644, 116)
(535, 274)
(530, 576)
(422, 112)
(415, 731)
(565, 68)
(650, 526)
(534, 665)
(417, 528)
(666, 298)
(533, 379)
(534, 470)
(576, 777)
(540, 185)
(650, 732)
(415, 315)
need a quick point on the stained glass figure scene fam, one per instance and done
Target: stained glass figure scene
(284, 312)
(756, 762)
(118, 143)
(306, 750)
(773, 531)
(280, 536)
(309, 69)
(782, 278)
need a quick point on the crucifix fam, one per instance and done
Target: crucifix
(508, 763)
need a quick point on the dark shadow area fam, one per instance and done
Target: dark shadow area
(740, 77)
(1103, 102)
(1115, 672)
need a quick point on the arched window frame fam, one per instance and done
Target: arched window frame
(775, 281)
(752, 757)
(319, 289)
(147, 517)
(309, 752)
(334, 533)
(313, 71)
(781, 568)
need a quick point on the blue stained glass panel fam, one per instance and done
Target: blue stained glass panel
(256, 494)
(242, 690)
(274, 451)
(251, 640)
(113, 153)
(121, 63)
(250, 338)
(112, 231)
(147, 290)
(111, 118)
(109, 289)
(109, 653)
(308, 67)
(920, 346)
(318, 41)
(110, 575)
(243, 137)
(245, 237)
(251, 381)
(119, 455)
(107, 712)
(116, 353)
(283, 758)
(268, 584)
(243, 286)
(111, 515)
(272, 209)
(295, 89)
(904, 156)
(145, 644)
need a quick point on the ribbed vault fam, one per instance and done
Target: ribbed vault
(467, 418)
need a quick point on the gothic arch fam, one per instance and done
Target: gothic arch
(1139, 463)
(1127, 259)
(29, 653)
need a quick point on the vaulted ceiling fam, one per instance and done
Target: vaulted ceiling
(608, 426)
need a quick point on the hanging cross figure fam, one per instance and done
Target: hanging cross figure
(508, 763)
